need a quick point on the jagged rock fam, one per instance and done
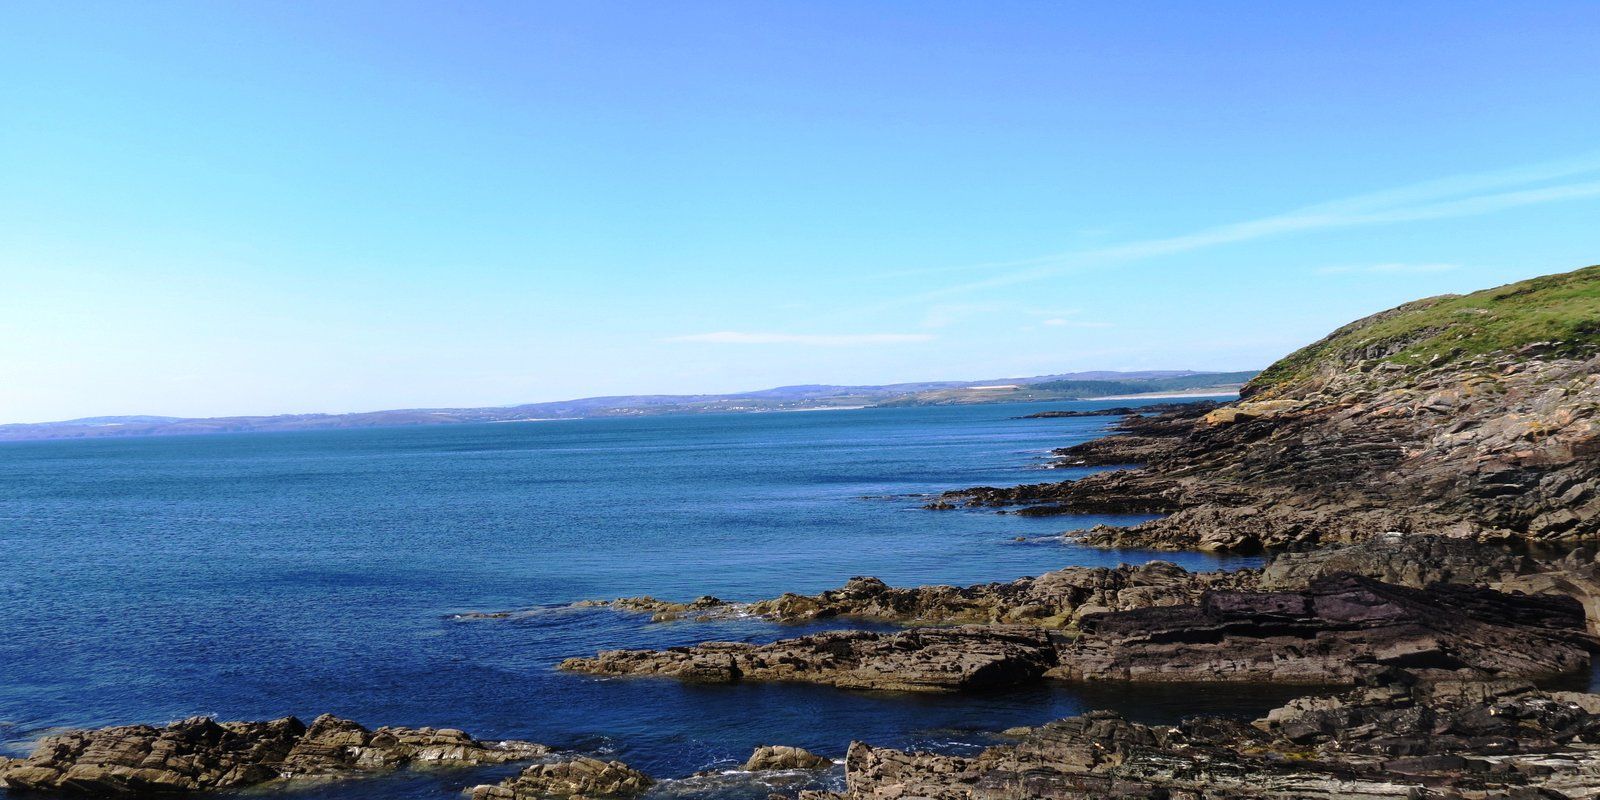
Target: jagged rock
(202, 754)
(576, 777)
(1338, 631)
(773, 757)
(916, 660)
(1440, 740)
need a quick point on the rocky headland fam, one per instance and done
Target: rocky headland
(1472, 415)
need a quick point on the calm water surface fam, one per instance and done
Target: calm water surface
(253, 576)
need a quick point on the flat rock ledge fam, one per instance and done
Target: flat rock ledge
(916, 660)
(1337, 631)
(201, 754)
(1059, 599)
(1442, 740)
(577, 777)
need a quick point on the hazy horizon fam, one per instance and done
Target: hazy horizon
(241, 209)
(557, 400)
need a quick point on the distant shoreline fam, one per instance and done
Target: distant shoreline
(1154, 395)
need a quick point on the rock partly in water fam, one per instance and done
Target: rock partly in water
(1053, 600)
(916, 660)
(1338, 630)
(781, 757)
(201, 754)
(573, 777)
(1477, 740)
(660, 610)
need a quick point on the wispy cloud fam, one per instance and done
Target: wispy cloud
(812, 339)
(1396, 268)
(1457, 196)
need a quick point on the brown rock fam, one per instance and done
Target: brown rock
(577, 777)
(776, 757)
(201, 754)
(916, 660)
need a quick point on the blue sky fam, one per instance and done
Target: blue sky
(229, 208)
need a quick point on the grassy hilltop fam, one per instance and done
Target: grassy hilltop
(1560, 311)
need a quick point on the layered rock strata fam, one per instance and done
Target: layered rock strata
(1405, 421)
(1338, 630)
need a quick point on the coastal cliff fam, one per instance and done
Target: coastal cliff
(1473, 416)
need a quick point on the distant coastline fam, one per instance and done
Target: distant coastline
(1107, 385)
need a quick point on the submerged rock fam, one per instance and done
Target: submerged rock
(576, 776)
(201, 754)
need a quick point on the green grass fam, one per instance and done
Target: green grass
(1563, 309)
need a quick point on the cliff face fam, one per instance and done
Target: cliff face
(1474, 415)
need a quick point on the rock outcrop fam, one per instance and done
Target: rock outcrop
(776, 757)
(915, 660)
(575, 777)
(1338, 631)
(1060, 598)
(1476, 416)
(202, 754)
(1053, 600)
(1502, 740)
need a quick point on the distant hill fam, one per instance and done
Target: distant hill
(1067, 386)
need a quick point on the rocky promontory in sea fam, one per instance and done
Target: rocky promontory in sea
(1472, 416)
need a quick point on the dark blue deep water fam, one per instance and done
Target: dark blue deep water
(253, 576)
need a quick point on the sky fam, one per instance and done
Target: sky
(262, 207)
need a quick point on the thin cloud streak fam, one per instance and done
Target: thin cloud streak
(811, 339)
(1458, 196)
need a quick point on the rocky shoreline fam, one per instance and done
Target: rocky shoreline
(1401, 473)
(202, 754)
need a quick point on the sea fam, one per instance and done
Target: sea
(253, 576)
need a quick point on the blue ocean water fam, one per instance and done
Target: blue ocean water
(256, 575)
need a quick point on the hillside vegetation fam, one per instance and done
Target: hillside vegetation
(1560, 312)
